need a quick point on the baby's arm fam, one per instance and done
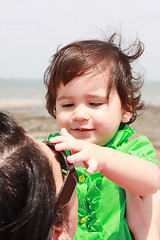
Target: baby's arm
(143, 216)
(134, 174)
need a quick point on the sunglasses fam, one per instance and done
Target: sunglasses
(70, 180)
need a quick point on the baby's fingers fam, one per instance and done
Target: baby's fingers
(90, 164)
(57, 139)
(66, 145)
(76, 157)
(92, 167)
(64, 133)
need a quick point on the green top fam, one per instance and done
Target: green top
(101, 202)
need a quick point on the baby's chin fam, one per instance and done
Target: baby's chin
(102, 142)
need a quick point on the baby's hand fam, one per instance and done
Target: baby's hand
(81, 151)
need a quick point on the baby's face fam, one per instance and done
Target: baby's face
(82, 108)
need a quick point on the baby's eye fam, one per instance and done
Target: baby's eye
(95, 104)
(67, 105)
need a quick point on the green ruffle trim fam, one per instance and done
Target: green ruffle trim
(140, 146)
(89, 202)
(121, 137)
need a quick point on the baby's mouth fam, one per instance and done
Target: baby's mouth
(83, 130)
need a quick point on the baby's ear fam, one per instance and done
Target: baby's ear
(126, 116)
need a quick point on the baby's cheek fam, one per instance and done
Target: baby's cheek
(60, 120)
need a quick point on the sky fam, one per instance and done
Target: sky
(31, 31)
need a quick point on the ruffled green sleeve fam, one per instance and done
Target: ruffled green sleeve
(140, 147)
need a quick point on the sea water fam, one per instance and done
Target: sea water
(34, 90)
(22, 89)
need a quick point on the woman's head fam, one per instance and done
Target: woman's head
(94, 56)
(30, 180)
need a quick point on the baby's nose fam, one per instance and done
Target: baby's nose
(80, 113)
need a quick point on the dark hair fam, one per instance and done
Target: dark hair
(83, 57)
(27, 186)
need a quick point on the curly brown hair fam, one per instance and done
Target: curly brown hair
(82, 57)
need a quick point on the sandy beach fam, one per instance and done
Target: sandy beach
(34, 118)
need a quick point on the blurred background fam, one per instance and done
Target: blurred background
(31, 31)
